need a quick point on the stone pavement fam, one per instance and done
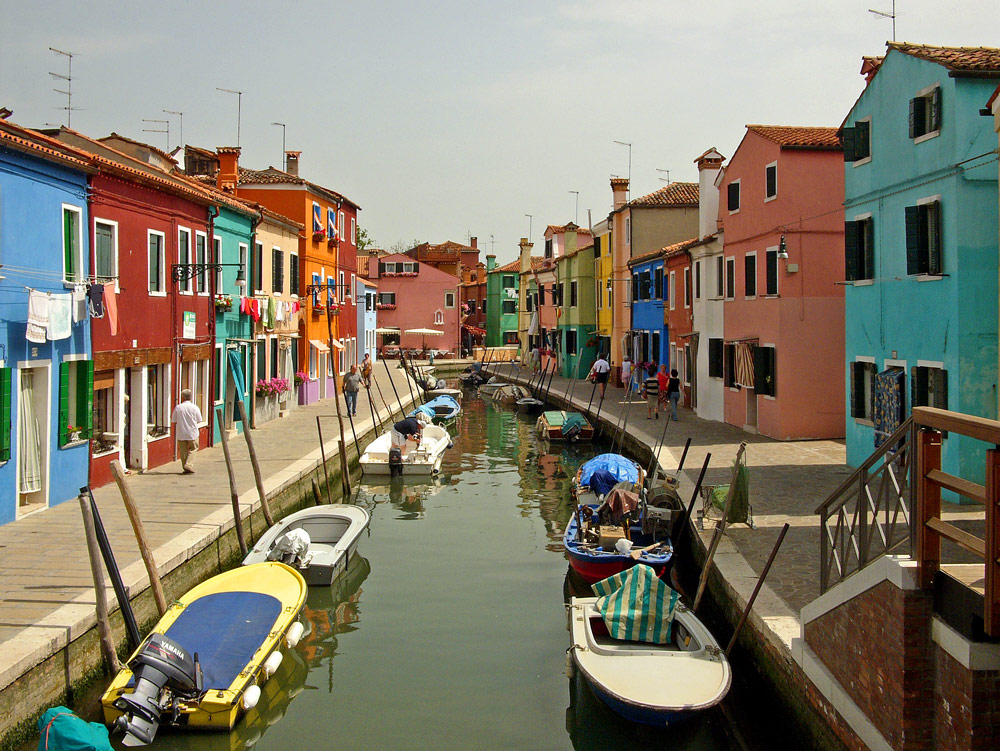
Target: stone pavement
(46, 589)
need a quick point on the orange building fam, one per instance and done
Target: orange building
(327, 257)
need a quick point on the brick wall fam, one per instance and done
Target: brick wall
(878, 646)
(966, 706)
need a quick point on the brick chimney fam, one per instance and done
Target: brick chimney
(292, 162)
(474, 242)
(619, 190)
(709, 165)
(525, 254)
(229, 167)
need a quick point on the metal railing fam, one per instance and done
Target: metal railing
(869, 515)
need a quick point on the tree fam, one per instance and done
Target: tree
(362, 240)
(399, 247)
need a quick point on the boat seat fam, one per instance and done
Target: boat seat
(317, 549)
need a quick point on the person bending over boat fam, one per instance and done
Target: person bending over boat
(405, 429)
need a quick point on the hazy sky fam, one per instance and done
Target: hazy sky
(447, 119)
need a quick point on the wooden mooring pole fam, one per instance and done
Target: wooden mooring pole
(258, 480)
(756, 589)
(140, 537)
(233, 492)
(103, 622)
(322, 451)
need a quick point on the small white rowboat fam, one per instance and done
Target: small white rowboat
(424, 459)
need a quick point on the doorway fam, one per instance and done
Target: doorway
(33, 426)
(751, 422)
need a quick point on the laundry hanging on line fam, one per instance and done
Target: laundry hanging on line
(60, 317)
(38, 316)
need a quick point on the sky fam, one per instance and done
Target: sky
(450, 119)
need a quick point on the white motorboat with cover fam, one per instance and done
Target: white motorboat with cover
(424, 459)
(317, 542)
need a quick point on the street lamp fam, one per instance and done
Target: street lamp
(181, 272)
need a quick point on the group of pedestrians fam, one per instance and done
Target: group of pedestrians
(657, 387)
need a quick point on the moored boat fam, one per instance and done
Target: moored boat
(559, 425)
(424, 459)
(204, 661)
(440, 410)
(317, 541)
(529, 404)
(490, 387)
(509, 394)
(643, 653)
(596, 477)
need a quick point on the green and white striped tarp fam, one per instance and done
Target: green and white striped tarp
(636, 605)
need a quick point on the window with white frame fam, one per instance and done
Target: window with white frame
(157, 400)
(923, 237)
(156, 262)
(244, 255)
(73, 270)
(731, 278)
(859, 248)
(354, 231)
(857, 142)
(697, 280)
(342, 294)
(217, 258)
(76, 393)
(341, 231)
(449, 299)
(687, 286)
(750, 275)
(925, 113)
(201, 258)
(258, 268)
(673, 290)
(770, 182)
(386, 298)
(184, 257)
(277, 270)
(771, 271)
(733, 196)
(220, 371)
(720, 277)
(195, 376)
(293, 274)
(438, 317)
(106, 251)
(105, 413)
(862, 396)
(929, 385)
(628, 230)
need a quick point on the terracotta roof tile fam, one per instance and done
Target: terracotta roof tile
(674, 194)
(512, 266)
(979, 59)
(681, 247)
(796, 137)
(42, 146)
(274, 176)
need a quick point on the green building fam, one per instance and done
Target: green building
(578, 309)
(502, 303)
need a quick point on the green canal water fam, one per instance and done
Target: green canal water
(449, 631)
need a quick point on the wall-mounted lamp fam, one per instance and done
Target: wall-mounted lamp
(783, 249)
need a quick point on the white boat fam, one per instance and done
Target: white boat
(488, 388)
(424, 459)
(648, 683)
(455, 394)
(332, 538)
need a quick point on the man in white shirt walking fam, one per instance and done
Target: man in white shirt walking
(186, 416)
(599, 372)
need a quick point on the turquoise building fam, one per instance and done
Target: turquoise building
(921, 246)
(502, 296)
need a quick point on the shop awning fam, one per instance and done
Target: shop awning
(337, 345)
(320, 345)
(474, 330)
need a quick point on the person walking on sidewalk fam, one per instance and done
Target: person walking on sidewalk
(626, 373)
(651, 393)
(352, 384)
(599, 373)
(673, 391)
(187, 417)
(366, 370)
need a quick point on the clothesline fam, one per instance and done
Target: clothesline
(43, 274)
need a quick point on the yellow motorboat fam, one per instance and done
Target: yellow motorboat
(203, 664)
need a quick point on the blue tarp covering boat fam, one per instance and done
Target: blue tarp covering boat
(625, 470)
(439, 409)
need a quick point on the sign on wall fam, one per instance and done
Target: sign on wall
(190, 325)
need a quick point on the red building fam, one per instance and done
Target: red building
(677, 312)
(143, 220)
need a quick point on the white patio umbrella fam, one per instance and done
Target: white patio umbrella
(424, 333)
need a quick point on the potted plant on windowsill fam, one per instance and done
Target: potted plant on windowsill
(319, 235)
(74, 432)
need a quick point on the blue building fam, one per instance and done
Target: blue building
(46, 371)
(650, 341)
(364, 294)
(921, 246)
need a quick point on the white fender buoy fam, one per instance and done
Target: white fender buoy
(293, 634)
(251, 696)
(272, 662)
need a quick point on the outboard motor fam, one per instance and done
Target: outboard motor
(395, 462)
(164, 672)
(572, 433)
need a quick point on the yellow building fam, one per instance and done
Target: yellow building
(602, 283)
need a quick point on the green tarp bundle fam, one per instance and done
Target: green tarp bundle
(636, 605)
(61, 730)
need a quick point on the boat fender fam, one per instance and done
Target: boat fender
(272, 663)
(293, 634)
(251, 696)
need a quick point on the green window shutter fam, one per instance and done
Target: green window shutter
(935, 105)
(63, 403)
(851, 251)
(68, 239)
(933, 237)
(912, 240)
(917, 116)
(848, 141)
(85, 397)
(5, 410)
(941, 389)
(854, 377)
(868, 258)
(862, 140)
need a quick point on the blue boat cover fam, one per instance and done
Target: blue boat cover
(438, 401)
(602, 482)
(623, 469)
(61, 730)
(241, 393)
(225, 629)
(636, 605)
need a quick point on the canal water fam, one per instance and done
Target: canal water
(448, 631)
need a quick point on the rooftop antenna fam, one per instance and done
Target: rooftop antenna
(529, 226)
(491, 243)
(181, 115)
(239, 108)
(667, 178)
(68, 78)
(890, 15)
(158, 130)
(576, 217)
(626, 143)
(284, 156)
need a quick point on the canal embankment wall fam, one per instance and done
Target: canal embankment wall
(50, 646)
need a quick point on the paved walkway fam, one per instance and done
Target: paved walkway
(788, 480)
(46, 589)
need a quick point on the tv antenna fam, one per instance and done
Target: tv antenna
(576, 219)
(181, 116)
(890, 15)
(68, 78)
(239, 108)
(165, 129)
(667, 173)
(626, 143)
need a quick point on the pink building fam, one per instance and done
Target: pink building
(781, 208)
(415, 295)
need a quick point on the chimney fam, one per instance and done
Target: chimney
(709, 165)
(525, 254)
(229, 167)
(474, 243)
(292, 162)
(491, 262)
(619, 190)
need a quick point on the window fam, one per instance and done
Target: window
(293, 274)
(106, 251)
(658, 283)
(540, 295)
(244, 253)
(386, 298)
(925, 113)
(730, 278)
(341, 227)
(195, 376)
(610, 293)
(572, 294)
(220, 371)
(687, 287)
(733, 196)
(628, 230)
(859, 249)
(6, 377)
(771, 182)
(449, 299)
(654, 346)
(645, 285)
(508, 281)
(570, 342)
(157, 400)
(750, 275)
(72, 244)
(201, 258)
(472, 305)
(76, 400)
(688, 366)
(597, 247)
(331, 290)
(184, 257)
(510, 337)
(729, 364)
(258, 268)
(929, 386)
(509, 307)
(863, 390)
(105, 412)
(857, 142)
(278, 271)
(273, 357)
(548, 247)
(697, 280)
(342, 292)
(562, 299)
(529, 303)
(715, 356)
(923, 238)
(354, 231)
(260, 358)
(331, 222)
(771, 271)
(157, 263)
(316, 282)
(720, 277)
(313, 367)
(672, 294)
(764, 376)
(438, 317)
(217, 258)
(636, 292)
